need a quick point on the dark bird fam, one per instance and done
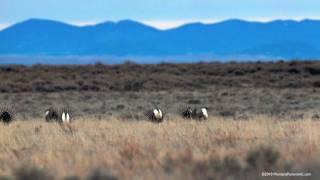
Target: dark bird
(51, 115)
(6, 115)
(188, 113)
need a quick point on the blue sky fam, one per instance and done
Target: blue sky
(160, 13)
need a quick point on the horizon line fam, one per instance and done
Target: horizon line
(162, 24)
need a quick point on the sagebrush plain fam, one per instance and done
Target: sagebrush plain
(264, 116)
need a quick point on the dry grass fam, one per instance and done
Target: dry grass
(265, 117)
(142, 150)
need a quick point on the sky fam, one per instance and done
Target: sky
(162, 14)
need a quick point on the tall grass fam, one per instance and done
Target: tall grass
(174, 149)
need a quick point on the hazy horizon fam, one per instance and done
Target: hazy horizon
(160, 14)
(159, 25)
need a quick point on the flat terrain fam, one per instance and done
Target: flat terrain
(176, 149)
(238, 90)
(263, 117)
(135, 77)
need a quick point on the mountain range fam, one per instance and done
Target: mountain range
(279, 39)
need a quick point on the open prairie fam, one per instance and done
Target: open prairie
(176, 149)
(263, 117)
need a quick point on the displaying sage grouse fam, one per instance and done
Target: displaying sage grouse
(65, 116)
(201, 114)
(51, 115)
(197, 114)
(155, 115)
(6, 115)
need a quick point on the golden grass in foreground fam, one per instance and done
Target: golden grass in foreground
(142, 150)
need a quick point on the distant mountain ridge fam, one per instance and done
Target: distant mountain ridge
(285, 39)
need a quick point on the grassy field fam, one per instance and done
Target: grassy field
(264, 116)
(176, 149)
